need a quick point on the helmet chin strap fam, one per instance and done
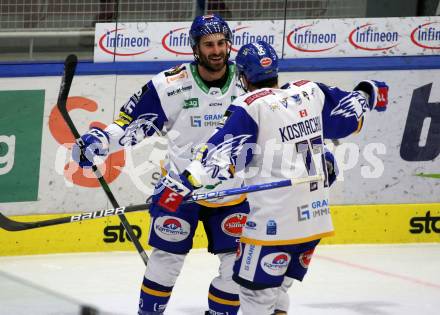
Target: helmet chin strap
(243, 83)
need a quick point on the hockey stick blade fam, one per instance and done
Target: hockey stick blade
(13, 226)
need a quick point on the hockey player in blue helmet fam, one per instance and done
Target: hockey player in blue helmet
(289, 125)
(177, 100)
(210, 38)
(257, 66)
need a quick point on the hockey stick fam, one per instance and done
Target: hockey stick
(11, 225)
(66, 81)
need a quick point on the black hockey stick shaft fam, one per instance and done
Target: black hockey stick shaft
(13, 226)
(66, 81)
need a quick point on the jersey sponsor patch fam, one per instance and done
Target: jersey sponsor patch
(191, 103)
(233, 224)
(174, 71)
(171, 229)
(248, 266)
(180, 76)
(306, 257)
(172, 91)
(250, 99)
(301, 82)
(275, 264)
(271, 227)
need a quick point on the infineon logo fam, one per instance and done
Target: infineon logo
(427, 35)
(122, 44)
(243, 35)
(177, 41)
(306, 40)
(365, 37)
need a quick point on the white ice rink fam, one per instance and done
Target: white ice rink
(342, 280)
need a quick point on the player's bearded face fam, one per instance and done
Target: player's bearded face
(213, 52)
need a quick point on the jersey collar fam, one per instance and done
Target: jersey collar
(203, 86)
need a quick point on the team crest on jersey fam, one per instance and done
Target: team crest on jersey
(275, 264)
(227, 151)
(250, 99)
(233, 224)
(171, 229)
(138, 129)
(353, 104)
(306, 257)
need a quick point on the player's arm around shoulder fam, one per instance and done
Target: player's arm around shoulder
(344, 112)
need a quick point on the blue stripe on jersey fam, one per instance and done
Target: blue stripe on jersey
(147, 105)
(342, 111)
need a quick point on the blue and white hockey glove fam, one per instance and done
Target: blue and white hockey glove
(169, 193)
(216, 167)
(332, 167)
(377, 93)
(96, 143)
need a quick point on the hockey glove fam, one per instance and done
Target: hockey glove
(216, 167)
(332, 167)
(377, 92)
(169, 193)
(96, 143)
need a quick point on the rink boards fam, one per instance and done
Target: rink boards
(356, 224)
(387, 191)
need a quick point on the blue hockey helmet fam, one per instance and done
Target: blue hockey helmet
(208, 24)
(257, 61)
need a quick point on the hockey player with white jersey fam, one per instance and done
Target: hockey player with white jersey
(188, 102)
(271, 134)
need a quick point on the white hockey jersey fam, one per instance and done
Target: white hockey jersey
(276, 134)
(178, 102)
